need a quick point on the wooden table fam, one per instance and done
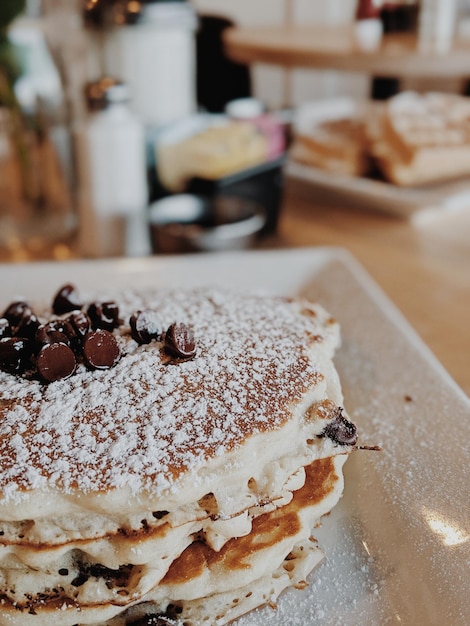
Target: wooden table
(424, 269)
(334, 47)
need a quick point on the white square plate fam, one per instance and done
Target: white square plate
(398, 544)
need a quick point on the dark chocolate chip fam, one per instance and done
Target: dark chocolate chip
(15, 354)
(49, 333)
(145, 326)
(112, 577)
(70, 333)
(5, 328)
(179, 341)
(152, 620)
(76, 326)
(341, 430)
(15, 312)
(55, 361)
(66, 300)
(74, 340)
(57, 325)
(101, 349)
(80, 580)
(159, 514)
(28, 326)
(80, 323)
(104, 315)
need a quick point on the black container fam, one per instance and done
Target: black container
(396, 17)
(190, 223)
(400, 18)
(261, 184)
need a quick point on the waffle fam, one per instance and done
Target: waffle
(338, 145)
(422, 138)
(411, 139)
(174, 481)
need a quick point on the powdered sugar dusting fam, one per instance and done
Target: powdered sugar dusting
(142, 423)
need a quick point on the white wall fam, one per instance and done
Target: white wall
(303, 85)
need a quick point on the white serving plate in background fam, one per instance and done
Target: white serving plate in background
(361, 191)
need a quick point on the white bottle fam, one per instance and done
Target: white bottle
(156, 57)
(437, 24)
(112, 177)
(368, 27)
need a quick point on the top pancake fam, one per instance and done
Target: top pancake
(143, 424)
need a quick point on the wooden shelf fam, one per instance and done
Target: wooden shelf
(334, 47)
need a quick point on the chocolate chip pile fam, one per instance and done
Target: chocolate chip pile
(51, 350)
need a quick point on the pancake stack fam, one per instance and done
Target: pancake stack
(164, 455)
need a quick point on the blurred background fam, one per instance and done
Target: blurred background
(130, 127)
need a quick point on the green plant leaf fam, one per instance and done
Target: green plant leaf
(9, 61)
(9, 9)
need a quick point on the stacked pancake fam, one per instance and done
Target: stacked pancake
(177, 481)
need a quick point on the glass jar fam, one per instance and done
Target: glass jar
(37, 213)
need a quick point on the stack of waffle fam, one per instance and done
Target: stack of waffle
(422, 138)
(410, 140)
